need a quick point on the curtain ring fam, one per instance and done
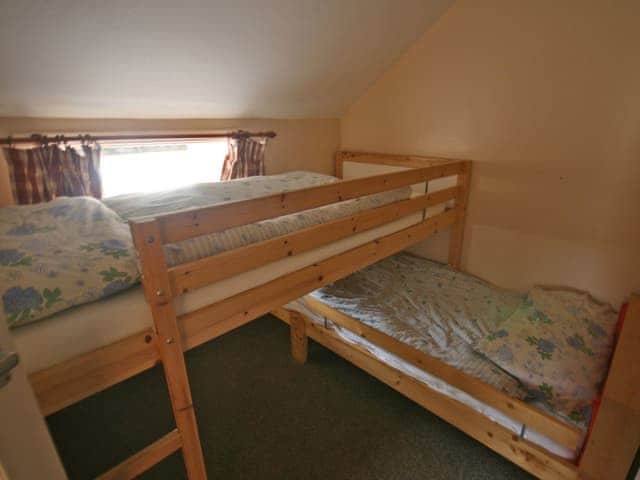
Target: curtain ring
(39, 138)
(238, 134)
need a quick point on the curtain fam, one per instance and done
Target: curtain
(43, 173)
(244, 159)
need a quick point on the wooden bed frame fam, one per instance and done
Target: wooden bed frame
(608, 452)
(68, 382)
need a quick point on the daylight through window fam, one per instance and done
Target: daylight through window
(154, 167)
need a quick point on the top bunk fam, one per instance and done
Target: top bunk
(58, 252)
(191, 260)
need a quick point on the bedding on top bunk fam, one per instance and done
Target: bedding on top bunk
(72, 251)
(59, 254)
(152, 204)
(556, 359)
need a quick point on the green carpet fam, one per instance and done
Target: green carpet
(262, 416)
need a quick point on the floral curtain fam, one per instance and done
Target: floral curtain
(43, 173)
(245, 158)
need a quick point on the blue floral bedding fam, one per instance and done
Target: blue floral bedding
(60, 254)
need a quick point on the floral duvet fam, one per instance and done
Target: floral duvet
(59, 254)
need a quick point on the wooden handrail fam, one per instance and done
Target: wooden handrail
(179, 226)
(198, 273)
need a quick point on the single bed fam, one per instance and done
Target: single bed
(540, 440)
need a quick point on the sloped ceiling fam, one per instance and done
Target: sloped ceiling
(199, 58)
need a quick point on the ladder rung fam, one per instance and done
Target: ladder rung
(146, 458)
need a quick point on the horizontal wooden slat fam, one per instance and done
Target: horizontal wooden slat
(561, 432)
(63, 384)
(239, 309)
(179, 226)
(202, 272)
(145, 459)
(503, 441)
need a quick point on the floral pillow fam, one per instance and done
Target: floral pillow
(558, 343)
(59, 254)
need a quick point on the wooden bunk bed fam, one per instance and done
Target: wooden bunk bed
(70, 381)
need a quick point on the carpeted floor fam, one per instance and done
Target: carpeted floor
(262, 416)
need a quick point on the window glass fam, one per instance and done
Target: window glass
(154, 167)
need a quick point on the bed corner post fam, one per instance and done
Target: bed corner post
(299, 339)
(457, 230)
(614, 440)
(147, 239)
(339, 162)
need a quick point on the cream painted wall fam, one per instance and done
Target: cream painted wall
(544, 96)
(300, 144)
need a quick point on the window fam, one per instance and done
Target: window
(129, 168)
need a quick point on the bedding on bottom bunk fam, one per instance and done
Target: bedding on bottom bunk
(430, 307)
(448, 315)
(442, 387)
(72, 251)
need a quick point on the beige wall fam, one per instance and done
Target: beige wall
(545, 97)
(300, 144)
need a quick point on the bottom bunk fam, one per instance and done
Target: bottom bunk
(415, 324)
(523, 453)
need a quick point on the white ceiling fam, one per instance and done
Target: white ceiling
(198, 58)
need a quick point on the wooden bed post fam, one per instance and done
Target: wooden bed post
(339, 164)
(168, 341)
(299, 340)
(615, 437)
(457, 230)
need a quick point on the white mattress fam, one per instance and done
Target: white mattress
(90, 326)
(440, 386)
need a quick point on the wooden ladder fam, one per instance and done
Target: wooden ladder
(168, 341)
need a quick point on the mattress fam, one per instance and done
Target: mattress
(436, 310)
(92, 325)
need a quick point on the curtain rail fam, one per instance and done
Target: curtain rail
(37, 138)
